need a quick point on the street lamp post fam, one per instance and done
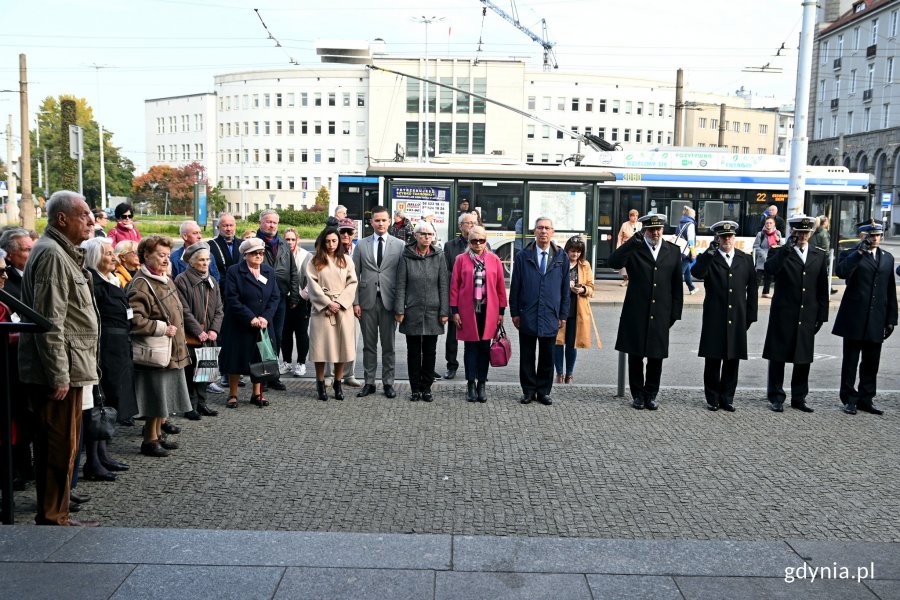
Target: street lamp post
(426, 21)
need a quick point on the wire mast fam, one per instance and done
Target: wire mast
(549, 54)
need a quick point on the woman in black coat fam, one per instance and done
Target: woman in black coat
(251, 297)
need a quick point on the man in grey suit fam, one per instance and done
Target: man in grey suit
(376, 258)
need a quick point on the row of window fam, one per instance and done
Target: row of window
(870, 79)
(273, 183)
(736, 149)
(451, 100)
(171, 153)
(289, 155)
(531, 131)
(288, 100)
(588, 104)
(857, 37)
(453, 138)
(734, 126)
(185, 120)
(288, 128)
(849, 125)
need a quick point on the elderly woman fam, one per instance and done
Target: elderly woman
(127, 263)
(296, 319)
(477, 302)
(251, 297)
(628, 229)
(157, 311)
(768, 237)
(116, 368)
(576, 333)
(401, 227)
(125, 228)
(202, 304)
(421, 307)
(332, 326)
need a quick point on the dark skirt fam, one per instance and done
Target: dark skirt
(117, 371)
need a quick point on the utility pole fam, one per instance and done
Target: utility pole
(25, 163)
(104, 201)
(426, 21)
(800, 143)
(721, 141)
(12, 196)
(679, 106)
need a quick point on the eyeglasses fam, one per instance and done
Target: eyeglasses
(425, 233)
(257, 253)
(290, 239)
(477, 241)
(543, 228)
(123, 217)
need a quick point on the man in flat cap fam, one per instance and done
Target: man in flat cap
(729, 308)
(652, 304)
(867, 316)
(799, 307)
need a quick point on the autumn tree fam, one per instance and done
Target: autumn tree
(176, 182)
(323, 197)
(54, 139)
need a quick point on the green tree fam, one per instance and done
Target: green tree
(2, 171)
(215, 200)
(176, 182)
(54, 138)
(323, 197)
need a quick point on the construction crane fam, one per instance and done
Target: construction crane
(549, 55)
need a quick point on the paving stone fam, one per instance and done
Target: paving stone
(152, 582)
(23, 543)
(882, 559)
(627, 557)
(503, 586)
(884, 589)
(255, 548)
(355, 584)
(633, 587)
(38, 581)
(752, 588)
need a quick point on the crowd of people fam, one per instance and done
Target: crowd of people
(111, 292)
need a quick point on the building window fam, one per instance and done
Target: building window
(560, 103)
(267, 100)
(546, 102)
(833, 125)
(601, 132)
(360, 98)
(745, 149)
(615, 106)
(662, 107)
(304, 155)
(734, 149)
(559, 135)
(462, 100)
(317, 127)
(278, 155)
(317, 155)
(446, 105)
(588, 130)
(889, 70)
(601, 105)
(331, 155)
(412, 138)
(290, 155)
(825, 52)
(304, 99)
(317, 99)
(638, 134)
(840, 48)
(713, 123)
(852, 81)
(545, 158)
(478, 134)
(360, 157)
(640, 108)
(588, 104)
(360, 128)
(702, 123)
(331, 127)
(659, 135)
(278, 128)
(266, 128)
(626, 135)
(445, 138)
(614, 134)
(545, 132)
(837, 86)
(874, 31)
(885, 116)
(763, 129)
(575, 104)
(345, 127)
(736, 127)
(462, 138)
(412, 96)
(345, 99)
(290, 128)
(529, 129)
(345, 156)
(290, 102)
(870, 76)
(529, 158)
(332, 99)
(849, 121)
(819, 128)
(856, 39)
(278, 100)
(701, 145)
(628, 107)
(746, 127)
(478, 105)
(267, 153)
(304, 127)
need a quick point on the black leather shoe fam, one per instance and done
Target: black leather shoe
(712, 407)
(427, 396)
(277, 386)
(526, 399)
(545, 400)
(73, 507)
(450, 374)
(415, 397)
(389, 391)
(651, 404)
(480, 393)
(338, 391)
(192, 415)
(638, 403)
(171, 428)
(78, 498)
(321, 392)
(801, 406)
(870, 408)
(206, 411)
(471, 394)
(436, 375)
(114, 465)
(849, 408)
(728, 407)
(153, 449)
(777, 406)
(167, 445)
(129, 422)
(91, 476)
(367, 390)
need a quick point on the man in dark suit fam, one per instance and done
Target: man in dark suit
(224, 247)
(539, 304)
(376, 258)
(729, 308)
(17, 243)
(867, 316)
(652, 304)
(799, 308)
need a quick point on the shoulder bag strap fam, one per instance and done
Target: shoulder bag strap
(158, 301)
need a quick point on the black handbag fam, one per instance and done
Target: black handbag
(102, 424)
(266, 369)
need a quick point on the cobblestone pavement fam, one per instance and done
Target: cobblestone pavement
(588, 466)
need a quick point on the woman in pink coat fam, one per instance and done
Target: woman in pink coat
(477, 303)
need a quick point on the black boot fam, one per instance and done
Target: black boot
(206, 411)
(480, 394)
(320, 390)
(470, 391)
(338, 392)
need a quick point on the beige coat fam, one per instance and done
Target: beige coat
(332, 338)
(583, 326)
(151, 319)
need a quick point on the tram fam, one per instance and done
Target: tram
(593, 198)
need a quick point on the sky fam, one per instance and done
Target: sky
(118, 54)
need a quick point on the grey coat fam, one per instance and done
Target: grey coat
(422, 294)
(201, 301)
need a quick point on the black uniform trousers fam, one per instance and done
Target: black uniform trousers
(536, 381)
(451, 346)
(799, 382)
(868, 371)
(720, 379)
(641, 388)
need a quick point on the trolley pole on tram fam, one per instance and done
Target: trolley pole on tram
(800, 141)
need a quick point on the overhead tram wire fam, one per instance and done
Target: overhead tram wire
(274, 39)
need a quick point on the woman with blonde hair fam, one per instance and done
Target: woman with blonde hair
(127, 263)
(628, 229)
(576, 332)
(687, 230)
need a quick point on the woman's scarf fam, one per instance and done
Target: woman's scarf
(479, 288)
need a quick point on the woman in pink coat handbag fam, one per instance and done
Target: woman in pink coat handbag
(477, 303)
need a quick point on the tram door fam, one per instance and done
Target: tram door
(613, 208)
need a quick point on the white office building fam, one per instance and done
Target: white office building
(181, 130)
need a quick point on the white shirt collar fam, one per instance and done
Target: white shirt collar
(802, 253)
(654, 250)
(728, 256)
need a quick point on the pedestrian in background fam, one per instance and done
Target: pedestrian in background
(477, 303)
(626, 231)
(17, 242)
(867, 315)
(576, 331)
(401, 228)
(296, 319)
(729, 308)
(422, 307)
(101, 220)
(769, 237)
(539, 304)
(127, 263)
(652, 305)
(687, 230)
(125, 228)
(190, 235)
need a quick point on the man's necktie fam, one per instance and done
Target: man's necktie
(543, 262)
(380, 254)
